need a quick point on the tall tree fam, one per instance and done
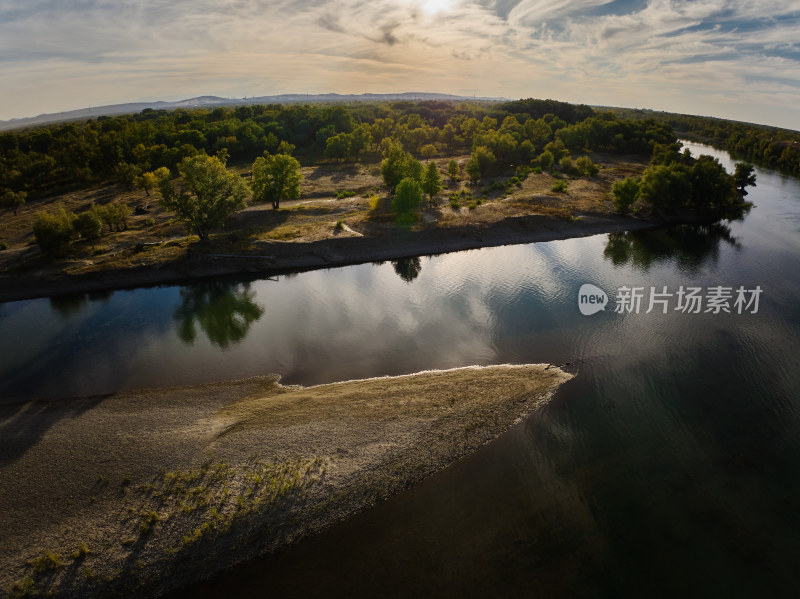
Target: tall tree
(150, 180)
(431, 181)
(744, 176)
(275, 178)
(206, 195)
(407, 197)
(453, 170)
(397, 165)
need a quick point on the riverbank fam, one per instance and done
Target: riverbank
(344, 217)
(141, 492)
(276, 257)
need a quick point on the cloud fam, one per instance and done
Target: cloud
(710, 56)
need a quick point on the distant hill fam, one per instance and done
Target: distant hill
(214, 101)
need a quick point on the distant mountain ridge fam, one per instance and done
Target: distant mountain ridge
(214, 101)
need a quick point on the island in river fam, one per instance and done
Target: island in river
(143, 491)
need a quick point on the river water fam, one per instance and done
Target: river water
(668, 465)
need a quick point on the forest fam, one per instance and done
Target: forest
(766, 146)
(204, 165)
(48, 160)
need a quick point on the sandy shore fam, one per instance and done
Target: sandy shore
(144, 491)
(277, 257)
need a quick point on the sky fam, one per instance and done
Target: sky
(737, 59)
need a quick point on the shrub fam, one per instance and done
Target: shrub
(566, 165)
(46, 562)
(81, 551)
(559, 187)
(24, 587)
(586, 167)
(546, 160)
(625, 192)
(89, 226)
(54, 232)
(408, 196)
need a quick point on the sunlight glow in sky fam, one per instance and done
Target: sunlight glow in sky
(735, 59)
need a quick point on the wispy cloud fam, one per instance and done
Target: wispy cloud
(725, 57)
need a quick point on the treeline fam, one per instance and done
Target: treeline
(677, 181)
(48, 160)
(766, 146)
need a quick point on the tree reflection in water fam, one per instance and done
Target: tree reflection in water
(407, 268)
(690, 245)
(223, 311)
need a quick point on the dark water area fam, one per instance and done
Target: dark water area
(668, 466)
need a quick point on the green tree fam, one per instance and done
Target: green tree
(126, 174)
(586, 167)
(666, 187)
(397, 165)
(431, 181)
(337, 146)
(275, 178)
(625, 192)
(538, 132)
(546, 160)
(89, 226)
(407, 197)
(285, 148)
(206, 195)
(712, 186)
(452, 170)
(473, 169)
(13, 200)
(743, 176)
(566, 165)
(54, 231)
(150, 180)
(428, 151)
(484, 158)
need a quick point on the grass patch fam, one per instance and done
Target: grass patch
(148, 520)
(559, 187)
(24, 587)
(283, 233)
(81, 551)
(47, 561)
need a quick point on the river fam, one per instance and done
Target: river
(667, 466)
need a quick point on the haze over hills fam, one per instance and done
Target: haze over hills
(214, 101)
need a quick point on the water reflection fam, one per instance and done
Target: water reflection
(68, 306)
(689, 245)
(223, 311)
(407, 268)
